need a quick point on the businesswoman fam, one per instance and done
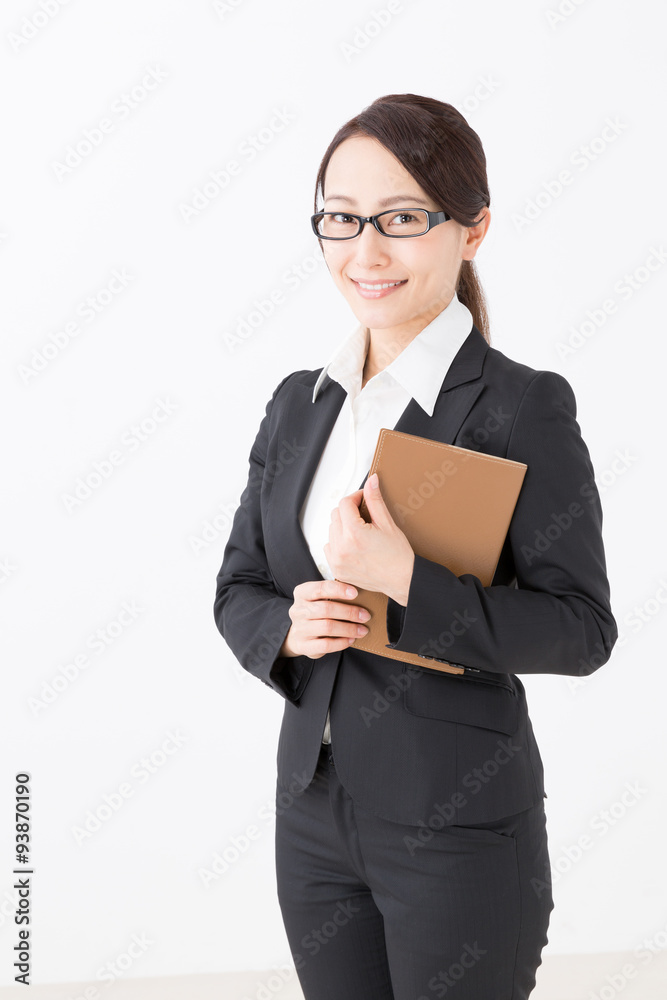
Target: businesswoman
(411, 850)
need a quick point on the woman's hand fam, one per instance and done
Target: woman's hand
(320, 623)
(375, 554)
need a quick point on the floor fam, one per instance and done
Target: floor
(560, 977)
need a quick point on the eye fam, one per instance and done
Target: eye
(412, 223)
(405, 216)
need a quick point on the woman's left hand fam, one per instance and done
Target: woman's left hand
(373, 555)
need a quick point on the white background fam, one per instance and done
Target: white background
(152, 533)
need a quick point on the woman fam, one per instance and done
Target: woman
(411, 848)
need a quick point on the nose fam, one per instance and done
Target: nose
(370, 245)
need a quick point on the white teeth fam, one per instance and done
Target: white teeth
(377, 288)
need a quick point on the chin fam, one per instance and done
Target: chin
(379, 313)
(376, 320)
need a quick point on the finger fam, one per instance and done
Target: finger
(348, 512)
(320, 647)
(352, 628)
(327, 601)
(316, 590)
(331, 589)
(377, 508)
(342, 612)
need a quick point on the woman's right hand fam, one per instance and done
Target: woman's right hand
(320, 622)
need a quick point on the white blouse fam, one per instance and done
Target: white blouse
(416, 373)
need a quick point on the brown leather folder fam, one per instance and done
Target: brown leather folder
(454, 506)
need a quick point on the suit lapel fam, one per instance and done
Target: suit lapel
(306, 427)
(305, 430)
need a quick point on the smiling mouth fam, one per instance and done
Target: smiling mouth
(378, 286)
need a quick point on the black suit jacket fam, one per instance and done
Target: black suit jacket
(416, 745)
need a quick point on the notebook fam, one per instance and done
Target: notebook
(454, 506)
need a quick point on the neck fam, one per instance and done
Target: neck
(384, 346)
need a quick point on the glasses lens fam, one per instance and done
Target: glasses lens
(403, 222)
(336, 225)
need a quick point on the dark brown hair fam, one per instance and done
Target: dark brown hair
(438, 148)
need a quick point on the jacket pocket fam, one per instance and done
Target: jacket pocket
(481, 677)
(453, 698)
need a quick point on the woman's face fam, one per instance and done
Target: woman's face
(364, 178)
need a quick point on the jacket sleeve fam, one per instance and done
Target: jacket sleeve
(556, 617)
(250, 614)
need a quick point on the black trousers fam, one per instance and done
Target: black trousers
(374, 910)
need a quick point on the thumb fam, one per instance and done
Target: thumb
(377, 508)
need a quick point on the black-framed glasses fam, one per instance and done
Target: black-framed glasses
(397, 223)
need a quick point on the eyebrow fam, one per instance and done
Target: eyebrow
(406, 199)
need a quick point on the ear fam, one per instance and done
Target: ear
(475, 235)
